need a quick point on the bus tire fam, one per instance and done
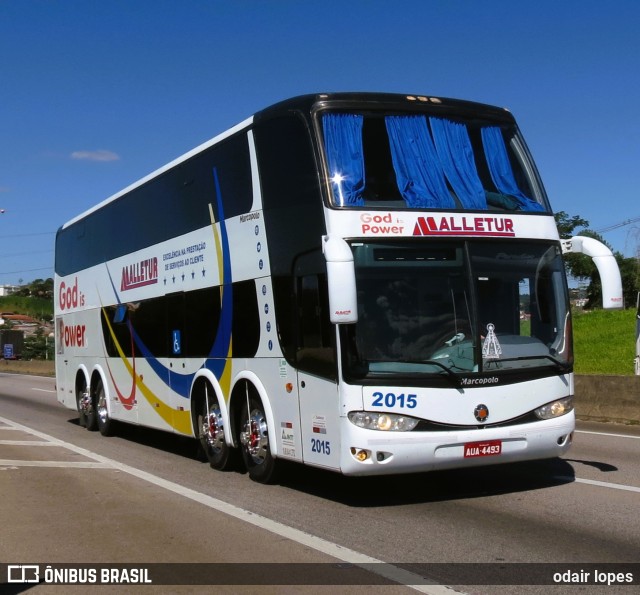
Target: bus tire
(82, 418)
(105, 423)
(91, 414)
(254, 440)
(211, 433)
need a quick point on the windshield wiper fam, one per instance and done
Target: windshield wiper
(449, 371)
(432, 362)
(419, 363)
(558, 364)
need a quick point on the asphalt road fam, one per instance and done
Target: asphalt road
(143, 498)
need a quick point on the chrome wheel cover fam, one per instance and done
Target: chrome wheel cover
(255, 437)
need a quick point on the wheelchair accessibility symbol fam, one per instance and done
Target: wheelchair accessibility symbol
(177, 348)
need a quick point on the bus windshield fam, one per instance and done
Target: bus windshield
(429, 162)
(458, 307)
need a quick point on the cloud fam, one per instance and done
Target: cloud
(100, 155)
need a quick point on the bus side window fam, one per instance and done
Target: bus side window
(316, 338)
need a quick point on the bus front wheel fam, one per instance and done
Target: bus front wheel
(254, 441)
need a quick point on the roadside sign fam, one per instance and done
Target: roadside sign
(7, 351)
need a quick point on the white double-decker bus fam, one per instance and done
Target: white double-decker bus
(366, 283)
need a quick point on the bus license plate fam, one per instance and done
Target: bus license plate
(482, 449)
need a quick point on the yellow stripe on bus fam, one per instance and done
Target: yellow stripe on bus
(177, 419)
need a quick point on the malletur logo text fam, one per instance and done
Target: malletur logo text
(451, 225)
(139, 274)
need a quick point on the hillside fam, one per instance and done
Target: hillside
(36, 307)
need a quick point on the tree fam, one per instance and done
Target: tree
(566, 224)
(630, 273)
(42, 288)
(35, 346)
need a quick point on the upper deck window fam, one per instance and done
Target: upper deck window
(428, 162)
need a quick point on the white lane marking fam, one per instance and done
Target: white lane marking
(25, 443)
(58, 464)
(15, 375)
(43, 390)
(388, 571)
(607, 434)
(605, 484)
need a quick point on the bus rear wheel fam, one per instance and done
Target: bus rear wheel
(88, 410)
(105, 423)
(82, 400)
(211, 433)
(254, 441)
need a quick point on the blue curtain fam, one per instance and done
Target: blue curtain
(456, 155)
(418, 171)
(500, 168)
(343, 144)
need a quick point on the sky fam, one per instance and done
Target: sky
(95, 95)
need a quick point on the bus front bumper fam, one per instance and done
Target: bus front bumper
(371, 452)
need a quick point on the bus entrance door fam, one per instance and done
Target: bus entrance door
(320, 430)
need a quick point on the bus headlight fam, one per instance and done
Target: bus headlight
(387, 422)
(555, 409)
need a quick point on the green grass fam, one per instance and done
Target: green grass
(604, 341)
